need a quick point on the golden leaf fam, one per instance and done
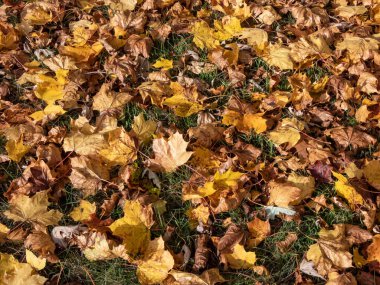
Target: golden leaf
(50, 89)
(283, 194)
(198, 215)
(16, 149)
(83, 211)
(331, 250)
(345, 190)
(227, 28)
(82, 31)
(143, 129)
(134, 226)
(33, 209)
(240, 259)
(51, 112)
(221, 181)
(204, 36)
(107, 99)
(120, 150)
(169, 154)
(245, 122)
(155, 264)
(82, 54)
(13, 272)
(257, 38)
(36, 262)
(164, 64)
(287, 132)
(258, 230)
(184, 101)
(278, 56)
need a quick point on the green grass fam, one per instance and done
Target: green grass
(73, 266)
(173, 47)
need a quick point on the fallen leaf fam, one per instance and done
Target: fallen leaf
(169, 154)
(155, 264)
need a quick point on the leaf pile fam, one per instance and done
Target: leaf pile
(196, 142)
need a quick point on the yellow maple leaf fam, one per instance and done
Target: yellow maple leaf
(345, 190)
(245, 122)
(204, 35)
(287, 132)
(134, 226)
(258, 38)
(50, 89)
(108, 99)
(169, 154)
(155, 264)
(82, 31)
(184, 101)
(50, 111)
(83, 211)
(13, 272)
(120, 150)
(278, 56)
(143, 129)
(331, 251)
(240, 258)
(33, 209)
(222, 181)
(227, 28)
(16, 149)
(163, 63)
(36, 262)
(198, 214)
(82, 54)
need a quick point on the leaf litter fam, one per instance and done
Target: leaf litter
(196, 142)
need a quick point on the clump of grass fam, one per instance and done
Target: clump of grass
(73, 266)
(173, 47)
